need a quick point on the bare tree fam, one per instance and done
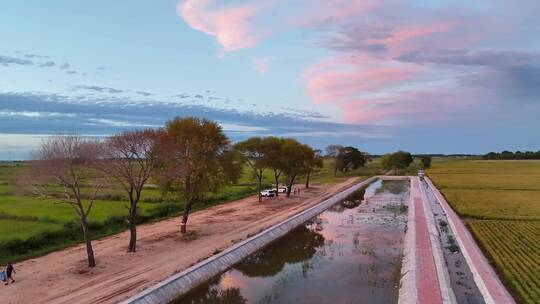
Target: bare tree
(60, 170)
(131, 159)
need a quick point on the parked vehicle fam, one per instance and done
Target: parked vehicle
(268, 193)
(281, 189)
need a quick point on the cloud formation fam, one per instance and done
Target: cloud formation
(98, 89)
(230, 24)
(7, 60)
(47, 64)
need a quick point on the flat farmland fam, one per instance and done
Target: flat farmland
(500, 203)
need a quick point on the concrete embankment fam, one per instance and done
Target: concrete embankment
(184, 281)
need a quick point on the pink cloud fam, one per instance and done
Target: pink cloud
(343, 79)
(334, 11)
(404, 38)
(231, 25)
(261, 65)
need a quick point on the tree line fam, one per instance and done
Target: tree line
(188, 156)
(508, 155)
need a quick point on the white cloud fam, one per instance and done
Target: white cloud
(33, 114)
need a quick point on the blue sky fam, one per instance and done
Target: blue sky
(425, 76)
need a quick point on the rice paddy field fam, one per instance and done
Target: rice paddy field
(500, 203)
(31, 226)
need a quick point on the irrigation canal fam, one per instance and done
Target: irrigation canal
(350, 253)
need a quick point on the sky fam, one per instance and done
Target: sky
(426, 76)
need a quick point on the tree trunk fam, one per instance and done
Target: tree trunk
(335, 167)
(289, 187)
(187, 207)
(307, 179)
(183, 226)
(132, 219)
(87, 239)
(276, 177)
(260, 188)
(133, 229)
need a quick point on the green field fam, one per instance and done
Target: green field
(500, 203)
(31, 226)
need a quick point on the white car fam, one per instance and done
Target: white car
(281, 189)
(268, 193)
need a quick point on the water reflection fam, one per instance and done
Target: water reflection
(350, 253)
(295, 247)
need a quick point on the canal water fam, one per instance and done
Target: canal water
(351, 253)
(461, 278)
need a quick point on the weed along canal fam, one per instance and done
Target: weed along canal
(350, 253)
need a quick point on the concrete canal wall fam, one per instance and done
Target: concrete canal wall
(199, 273)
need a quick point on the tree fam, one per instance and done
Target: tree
(350, 158)
(254, 153)
(200, 158)
(131, 159)
(333, 151)
(61, 170)
(295, 155)
(274, 157)
(426, 161)
(396, 160)
(313, 164)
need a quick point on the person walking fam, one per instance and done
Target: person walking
(9, 273)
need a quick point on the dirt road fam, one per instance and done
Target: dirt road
(61, 277)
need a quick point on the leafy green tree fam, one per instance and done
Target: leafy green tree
(425, 160)
(397, 160)
(200, 158)
(295, 155)
(254, 152)
(275, 157)
(350, 158)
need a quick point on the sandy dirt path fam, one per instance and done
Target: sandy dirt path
(61, 277)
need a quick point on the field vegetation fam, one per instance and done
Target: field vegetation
(500, 203)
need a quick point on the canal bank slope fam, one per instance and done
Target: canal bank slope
(61, 277)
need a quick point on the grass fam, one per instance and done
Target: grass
(31, 226)
(17, 229)
(500, 203)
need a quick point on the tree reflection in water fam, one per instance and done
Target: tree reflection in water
(297, 246)
(211, 294)
(393, 187)
(350, 202)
